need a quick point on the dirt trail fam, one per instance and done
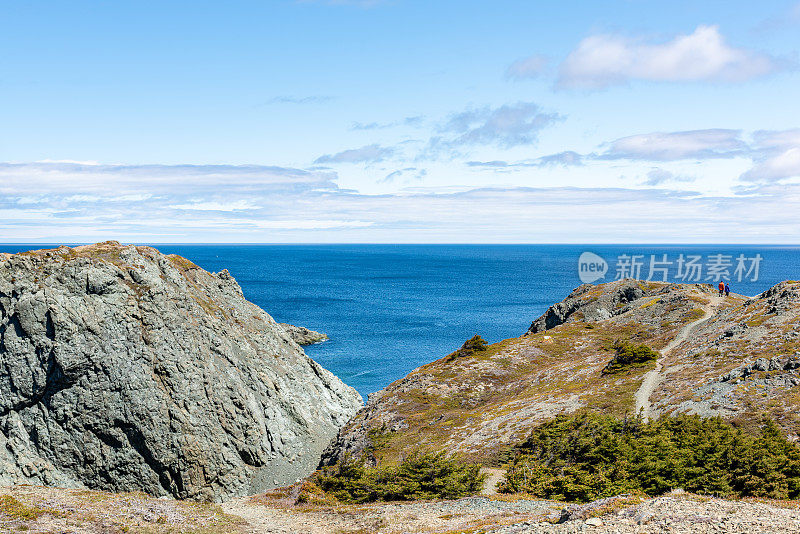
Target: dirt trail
(39, 510)
(468, 514)
(654, 377)
(494, 477)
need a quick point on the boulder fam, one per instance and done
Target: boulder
(302, 335)
(125, 369)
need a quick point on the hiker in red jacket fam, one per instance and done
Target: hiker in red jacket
(721, 287)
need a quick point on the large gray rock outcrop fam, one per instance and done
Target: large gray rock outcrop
(589, 303)
(125, 369)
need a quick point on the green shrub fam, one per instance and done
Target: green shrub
(13, 509)
(627, 355)
(312, 494)
(420, 476)
(591, 456)
(474, 344)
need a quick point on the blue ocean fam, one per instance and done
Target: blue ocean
(391, 308)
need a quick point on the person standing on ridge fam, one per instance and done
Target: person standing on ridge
(721, 287)
(727, 289)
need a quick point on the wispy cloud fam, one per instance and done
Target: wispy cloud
(657, 176)
(366, 154)
(777, 156)
(786, 19)
(311, 224)
(28, 179)
(239, 205)
(494, 164)
(232, 206)
(408, 172)
(776, 139)
(603, 60)
(567, 158)
(529, 67)
(506, 126)
(671, 146)
(408, 121)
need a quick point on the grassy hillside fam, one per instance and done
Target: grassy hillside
(477, 403)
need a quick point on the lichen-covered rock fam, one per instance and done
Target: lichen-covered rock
(125, 369)
(587, 304)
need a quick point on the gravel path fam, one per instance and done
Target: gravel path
(678, 515)
(39, 510)
(652, 378)
(674, 513)
(494, 477)
(468, 515)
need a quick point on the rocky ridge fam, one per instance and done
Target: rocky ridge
(122, 368)
(735, 357)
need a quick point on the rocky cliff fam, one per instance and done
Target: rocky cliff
(125, 369)
(736, 357)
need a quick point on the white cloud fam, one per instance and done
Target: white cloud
(311, 224)
(658, 176)
(366, 154)
(777, 138)
(529, 67)
(129, 182)
(506, 126)
(567, 158)
(785, 164)
(408, 172)
(59, 202)
(777, 155)
(668, 146)
(414, 121)
(603, 60)
(493, 164)
(454, 214)
(239, 205)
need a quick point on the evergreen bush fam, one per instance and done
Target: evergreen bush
(591, 456)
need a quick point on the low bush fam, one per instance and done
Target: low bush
(591, 456)
(13, 509)
(311, 493)
(627, 355)
(474, 344)
(420, 476)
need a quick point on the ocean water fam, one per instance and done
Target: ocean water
(391, 308)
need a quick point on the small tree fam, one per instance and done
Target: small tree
(474, 344)
(627, 355)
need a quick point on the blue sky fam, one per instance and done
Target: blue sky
(400, 121)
